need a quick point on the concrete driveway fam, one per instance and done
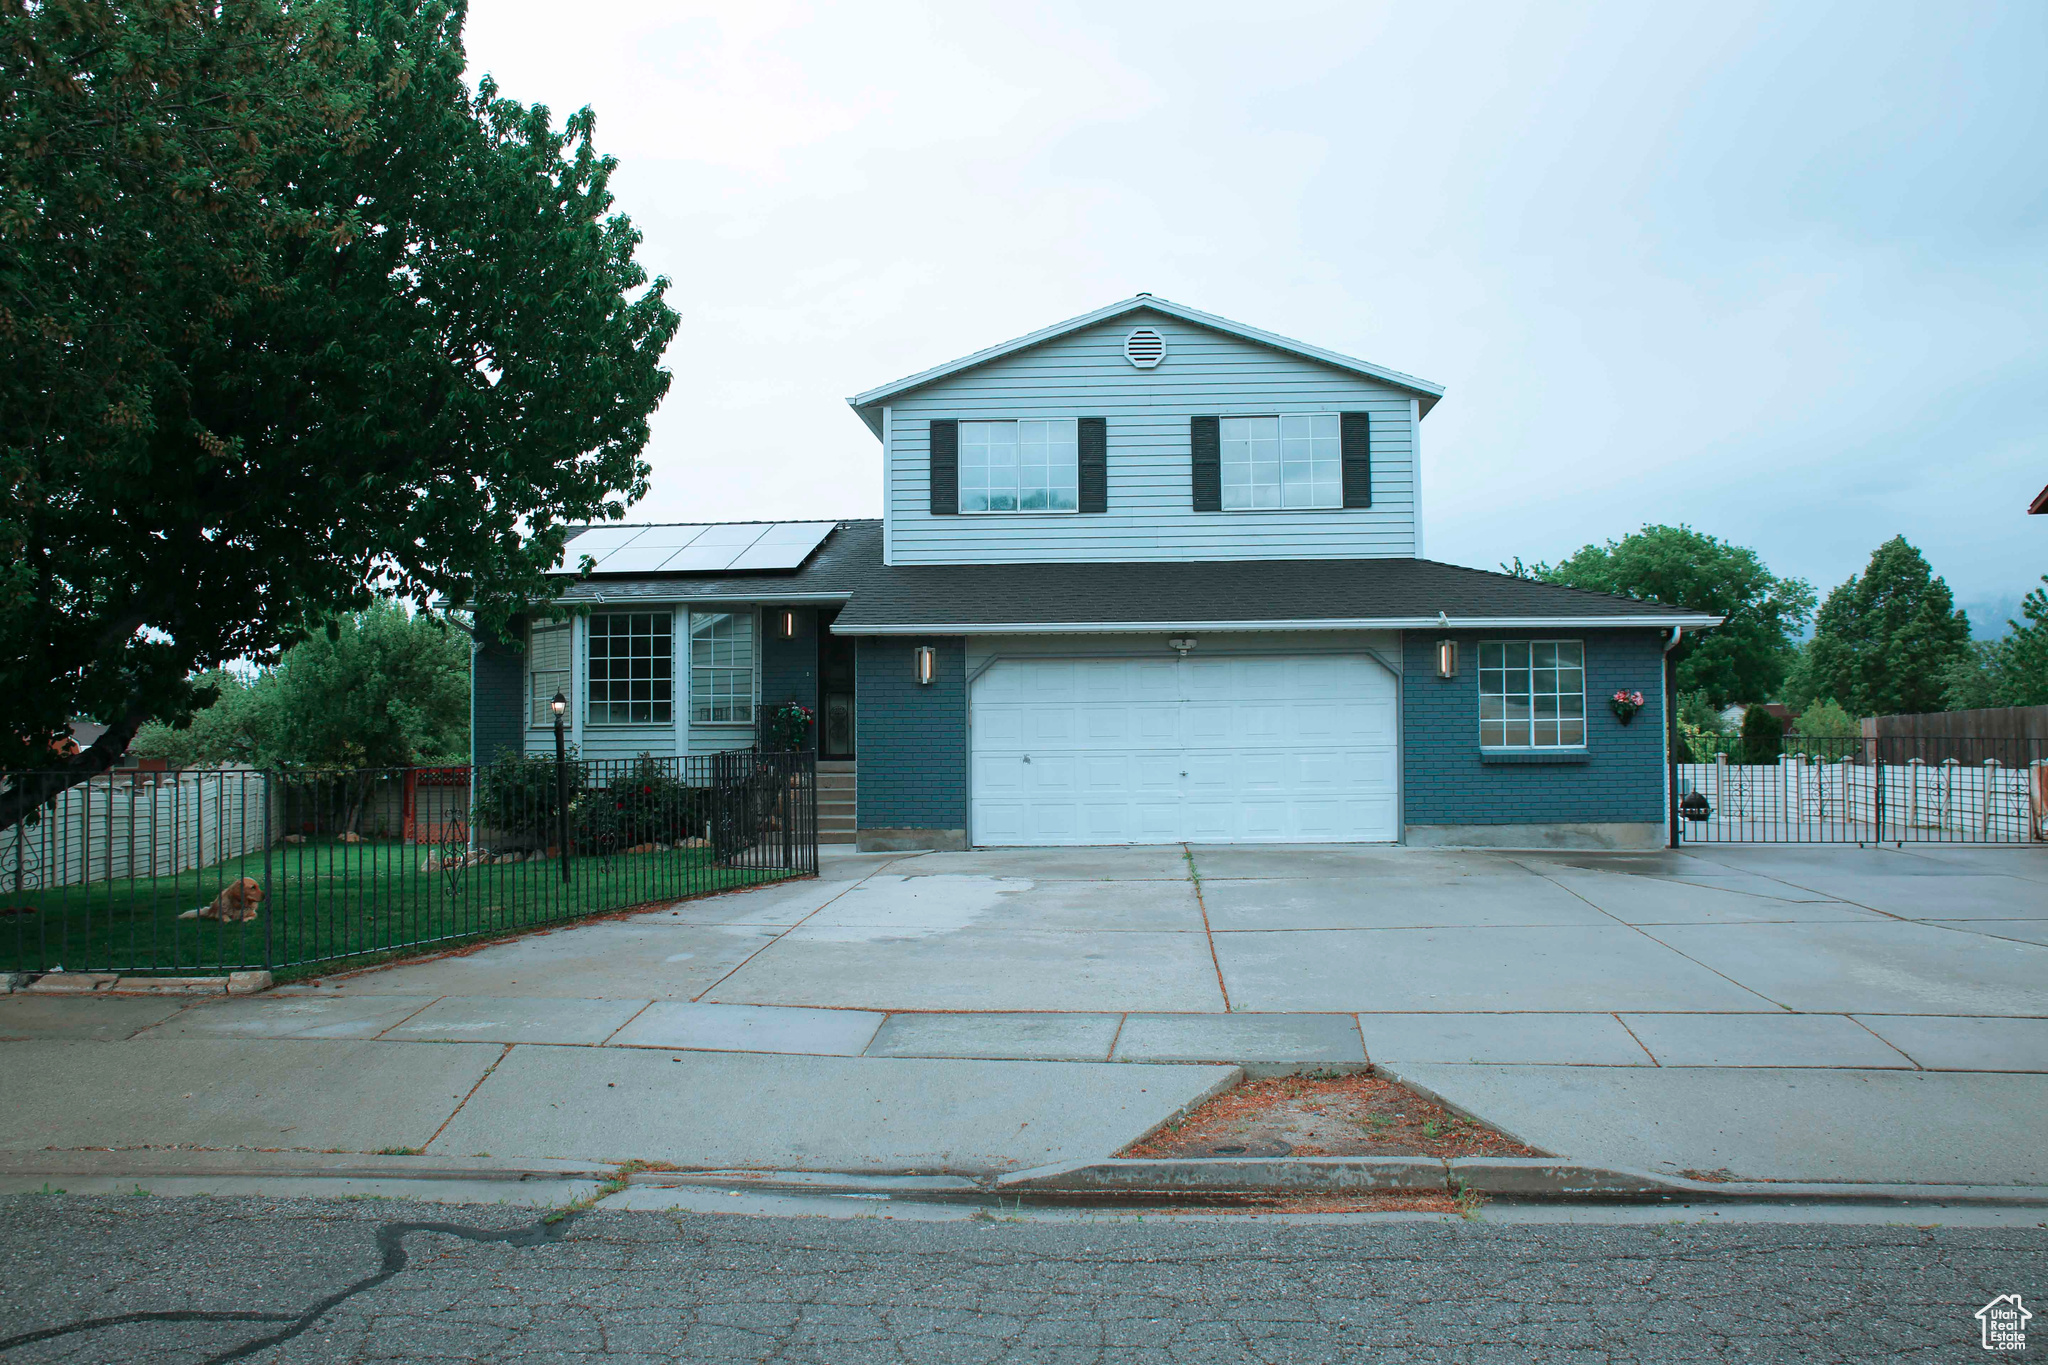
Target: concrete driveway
(1796, 1013)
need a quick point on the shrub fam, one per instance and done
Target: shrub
(1826, 719)
(1763, 736)
(518, 800)
(646, 804)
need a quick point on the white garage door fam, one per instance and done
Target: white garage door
(1299, 748)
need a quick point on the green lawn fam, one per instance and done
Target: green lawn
(331, 904)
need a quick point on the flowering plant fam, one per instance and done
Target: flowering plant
(789, 725)
(1625, 705)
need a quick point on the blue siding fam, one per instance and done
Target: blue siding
(789, 668)
(1622, 779)
(1151, 514)
(497, 700)
(912, 739)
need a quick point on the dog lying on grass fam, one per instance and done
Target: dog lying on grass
(235, 903)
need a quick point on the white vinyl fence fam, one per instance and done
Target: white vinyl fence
(139, 825)
(1805, 799)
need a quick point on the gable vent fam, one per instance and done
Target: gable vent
(1144, 348)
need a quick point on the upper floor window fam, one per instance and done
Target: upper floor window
(547, 668)
(632, 668)
(1532, 694)
(1295, 461)
(722, 667)
(1029, 466)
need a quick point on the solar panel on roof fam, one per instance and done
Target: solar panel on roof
(717, 548)
(785, 545)
(695, 548)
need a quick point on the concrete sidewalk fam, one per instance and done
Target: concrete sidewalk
(459, 1100)
(1788, 1013)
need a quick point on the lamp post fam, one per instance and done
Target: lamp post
(560, 706)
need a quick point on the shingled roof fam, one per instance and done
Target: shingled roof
(1268, 594)
(1080, 598)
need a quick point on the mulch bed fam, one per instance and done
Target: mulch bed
(1357, 1115)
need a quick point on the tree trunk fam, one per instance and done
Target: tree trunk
(29, 792)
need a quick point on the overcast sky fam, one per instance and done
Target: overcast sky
(1778, 271)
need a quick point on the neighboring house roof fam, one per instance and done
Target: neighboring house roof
(1016, 599)
(2040, 503)
(869, 404)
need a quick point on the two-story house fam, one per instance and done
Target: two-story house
(1146, 576)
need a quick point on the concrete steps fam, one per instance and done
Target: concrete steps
(836, 811)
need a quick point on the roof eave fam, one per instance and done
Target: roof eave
(868, 404)
(1688, 622)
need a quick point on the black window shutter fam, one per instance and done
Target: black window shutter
(1205, 444)
(945, 467)
(1355, 442)
(1094, 452)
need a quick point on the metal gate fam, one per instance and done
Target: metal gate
(1897, 789)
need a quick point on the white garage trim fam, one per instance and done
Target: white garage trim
(1310, 747)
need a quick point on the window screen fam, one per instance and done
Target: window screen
(722, 667)
(547, 668)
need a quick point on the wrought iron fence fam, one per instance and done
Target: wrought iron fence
(1895, 789)
(235, 869)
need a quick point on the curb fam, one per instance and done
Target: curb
(1106, 1182)
(110, 983)
(1535, 1178)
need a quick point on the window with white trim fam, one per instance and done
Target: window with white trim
(1030, 466)
(722, 667)
(547, 668)
(1532, 694)
(631, 668)
(1279, 462)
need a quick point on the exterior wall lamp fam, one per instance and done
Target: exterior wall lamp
(789, 625)
(925, 663)
(1447, 658)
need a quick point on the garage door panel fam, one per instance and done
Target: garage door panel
(1152, 750)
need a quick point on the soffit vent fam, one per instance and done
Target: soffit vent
(1144, 348)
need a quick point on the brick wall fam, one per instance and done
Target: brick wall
(497, 700)
(1445, 782)
(912, 738)
(789, 668)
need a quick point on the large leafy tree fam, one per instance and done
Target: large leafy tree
(1887, 641)
(294, 321)
(378, 689)
(1743, 660)
(2012, 671)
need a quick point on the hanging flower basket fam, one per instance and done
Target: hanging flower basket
(789, 725)
(1625, 705)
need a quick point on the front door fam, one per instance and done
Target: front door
(835, 690)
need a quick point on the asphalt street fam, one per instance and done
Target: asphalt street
(178, 1280)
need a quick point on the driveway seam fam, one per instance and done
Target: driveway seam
(606, 1040)
(1886, 1041)
(1195, 878)
(466, 1097)
(1667, 947)
(1888, 914)
(1638, 1042)
(880, 867)
(380, 1038)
